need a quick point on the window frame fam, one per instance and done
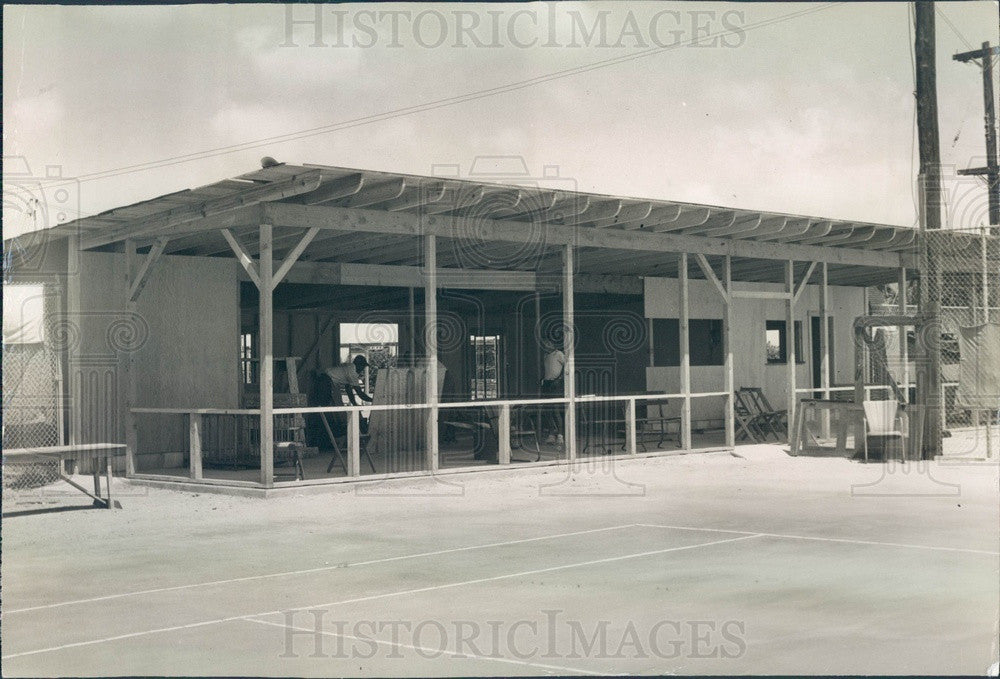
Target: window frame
(781, 327)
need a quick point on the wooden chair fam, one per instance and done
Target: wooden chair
(602, 422)
(289, 434)
(523, 431)
(656, 422)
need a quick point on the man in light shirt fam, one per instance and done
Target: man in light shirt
(347, 376)
(554, 367)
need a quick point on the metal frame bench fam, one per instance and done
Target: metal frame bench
(100, 452)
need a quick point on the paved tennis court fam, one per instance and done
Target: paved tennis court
(691, 565)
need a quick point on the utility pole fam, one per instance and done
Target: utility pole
(992, 169)
(929, 380)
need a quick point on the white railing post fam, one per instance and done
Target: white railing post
(503, 435)
(569, 350)
(194, 445)
(266, 343)
(354, 444)
(431, 453)
(630, 438)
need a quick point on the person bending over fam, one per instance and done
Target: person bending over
(348, 377)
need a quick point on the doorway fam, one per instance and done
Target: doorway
(817, 353)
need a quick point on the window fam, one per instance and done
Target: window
(378, 342)
(248, 366)
(486, 352)
(776, 342)
(704, 342)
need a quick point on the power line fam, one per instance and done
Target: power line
(431, 105)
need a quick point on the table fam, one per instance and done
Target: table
(105, 452)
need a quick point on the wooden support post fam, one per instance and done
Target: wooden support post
(727, 348)
(72, 357)
(431, 353)
(651, 342)
(790, 343)
(503, 435)
(194, 445)
(824, 374)
(539, 356)
(630, 436)
(128, 382)
(413, 323)
(266, 354)
(569, 341)
(354, 443)
(684, 326)
(904, 351)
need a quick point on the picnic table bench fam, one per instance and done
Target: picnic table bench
(100, 452)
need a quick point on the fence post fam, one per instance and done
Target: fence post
(503, 435)
(194, 445)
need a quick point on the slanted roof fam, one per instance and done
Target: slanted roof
(193, 219)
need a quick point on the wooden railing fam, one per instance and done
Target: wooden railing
(197, 416)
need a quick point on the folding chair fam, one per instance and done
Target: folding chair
(749, 422)
(768, 418)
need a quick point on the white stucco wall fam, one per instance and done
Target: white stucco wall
(662, 300)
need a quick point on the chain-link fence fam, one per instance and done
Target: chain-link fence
(32, 416)
(964, 274)
(960, 269)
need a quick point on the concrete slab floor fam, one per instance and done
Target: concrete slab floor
(707, 564)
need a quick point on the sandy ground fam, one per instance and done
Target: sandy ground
(696, 564)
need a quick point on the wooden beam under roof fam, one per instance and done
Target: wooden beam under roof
(791, 229)
(393, 276)
(373, 194)
(688, 217)
(630, 212)
(660, 214)
(162, 223)
(402, 223)
(332, 189)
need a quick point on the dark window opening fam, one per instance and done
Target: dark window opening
(704, 342)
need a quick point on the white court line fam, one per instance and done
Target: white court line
(431, 651)
(823, 539)
(373, 597)
(306, 571)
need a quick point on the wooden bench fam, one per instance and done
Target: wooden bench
(100, 452)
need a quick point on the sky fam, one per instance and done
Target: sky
(799, 108)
